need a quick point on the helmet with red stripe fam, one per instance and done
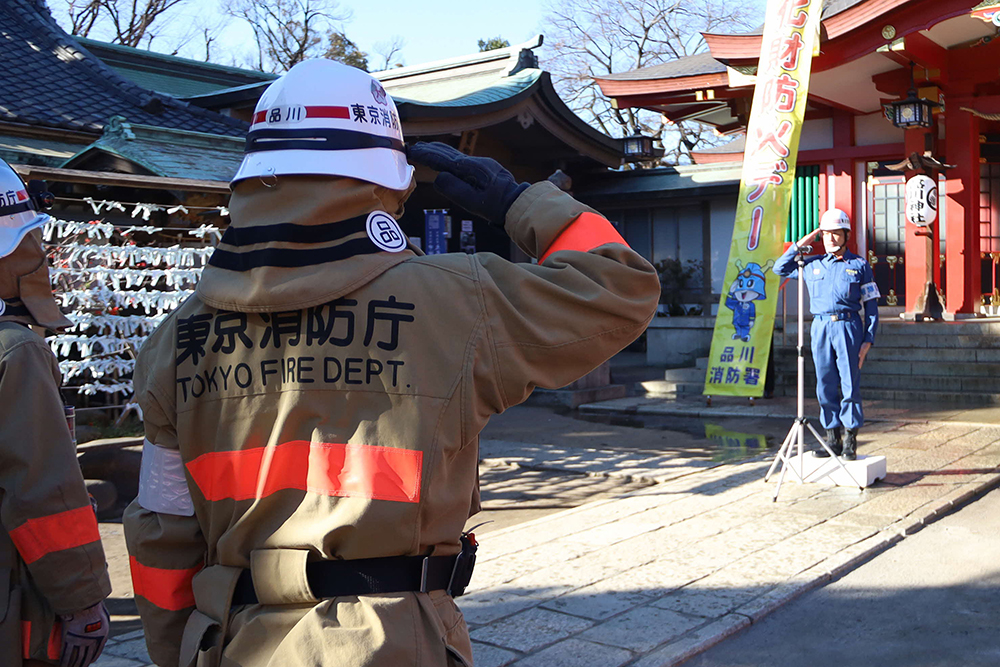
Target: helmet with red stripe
(19, 208)
(323, 117)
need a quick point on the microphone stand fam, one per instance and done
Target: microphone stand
(793, 447)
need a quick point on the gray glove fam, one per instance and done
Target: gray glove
(84, 634)
(480, 185)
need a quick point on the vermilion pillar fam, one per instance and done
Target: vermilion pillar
(962, 263)
(915, 265)
(843, 174)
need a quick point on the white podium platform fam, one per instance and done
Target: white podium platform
(864, 472)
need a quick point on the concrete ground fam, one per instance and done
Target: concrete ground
(931, 600)
(678, 544)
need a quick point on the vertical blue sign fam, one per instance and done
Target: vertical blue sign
(435, 243)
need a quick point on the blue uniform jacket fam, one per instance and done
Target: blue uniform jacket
(836, 285)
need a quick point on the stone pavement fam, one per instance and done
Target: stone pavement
(656, 575)
(659, 575)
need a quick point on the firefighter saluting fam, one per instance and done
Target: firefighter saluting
(312, 413)
(53, 578)
(841, 286)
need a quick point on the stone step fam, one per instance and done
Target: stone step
(910, 342)
(684, 375)
(957, 385)
(977, 327)
(874, 365)
(663, 388)
(676, 381)
(906, 396)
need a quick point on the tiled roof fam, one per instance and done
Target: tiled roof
(171, 75)
(700, 63)
(170, 153)
(704, 63)
(464, 92)
(50, 80)
(665, 182)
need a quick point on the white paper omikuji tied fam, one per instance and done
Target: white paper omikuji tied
(98, 270)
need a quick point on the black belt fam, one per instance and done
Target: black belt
(836, 317)
(369, 576)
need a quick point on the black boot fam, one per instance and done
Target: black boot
(851, 445)
(833, 441)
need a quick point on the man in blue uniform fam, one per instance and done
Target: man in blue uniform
(840, 284)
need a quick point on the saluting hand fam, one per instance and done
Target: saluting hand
(808, 238)
(863, 353)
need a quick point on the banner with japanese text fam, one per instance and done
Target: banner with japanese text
(741, 342)
(435, 235)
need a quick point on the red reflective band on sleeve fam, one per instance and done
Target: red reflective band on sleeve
(361, 471)
(167, 589)
(65, 530)
(55, 641)
(53, 647)
(587, 232)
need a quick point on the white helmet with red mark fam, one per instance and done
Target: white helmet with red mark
(19, 209)
(323, 117)
(833, 220)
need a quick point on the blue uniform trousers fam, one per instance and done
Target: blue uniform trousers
(835, 348)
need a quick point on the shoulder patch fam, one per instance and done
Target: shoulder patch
(384, 231)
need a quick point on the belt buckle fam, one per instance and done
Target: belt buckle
(834, 317)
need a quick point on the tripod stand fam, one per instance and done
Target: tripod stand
(794, 443)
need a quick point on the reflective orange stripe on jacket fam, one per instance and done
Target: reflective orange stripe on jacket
(587, 232)
(167, 589)
(52, 649)
(330, 469)
(38, 537)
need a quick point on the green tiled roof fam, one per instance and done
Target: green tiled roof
(170, 153)
(35, 151)
(166, 83)
(467, 91)
(171, 75)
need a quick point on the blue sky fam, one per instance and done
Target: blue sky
(431, 31)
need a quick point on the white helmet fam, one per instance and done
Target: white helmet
(19, 209)
(833, 220)
(324, 117)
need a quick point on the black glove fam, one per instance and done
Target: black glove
(84, 634)
(480, 185)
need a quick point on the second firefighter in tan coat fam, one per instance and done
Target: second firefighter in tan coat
(321, 396)
(53, 578)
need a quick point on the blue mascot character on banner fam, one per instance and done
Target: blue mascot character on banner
(750, 285)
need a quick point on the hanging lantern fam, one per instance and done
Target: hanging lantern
(638, 147)
(913, 111)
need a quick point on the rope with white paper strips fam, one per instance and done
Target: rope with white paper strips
(116, 292)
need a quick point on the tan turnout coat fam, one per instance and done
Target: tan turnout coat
(330, 408)
(51, 558)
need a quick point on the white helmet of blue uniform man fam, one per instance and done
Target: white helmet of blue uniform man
(834, 219)
(326, 118)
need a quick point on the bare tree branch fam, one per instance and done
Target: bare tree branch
(288, 31)
(390, 52)
(588, 38)
(83, 14)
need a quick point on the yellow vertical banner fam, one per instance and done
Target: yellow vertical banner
(741, 341)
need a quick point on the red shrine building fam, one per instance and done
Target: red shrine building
(852, 155)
